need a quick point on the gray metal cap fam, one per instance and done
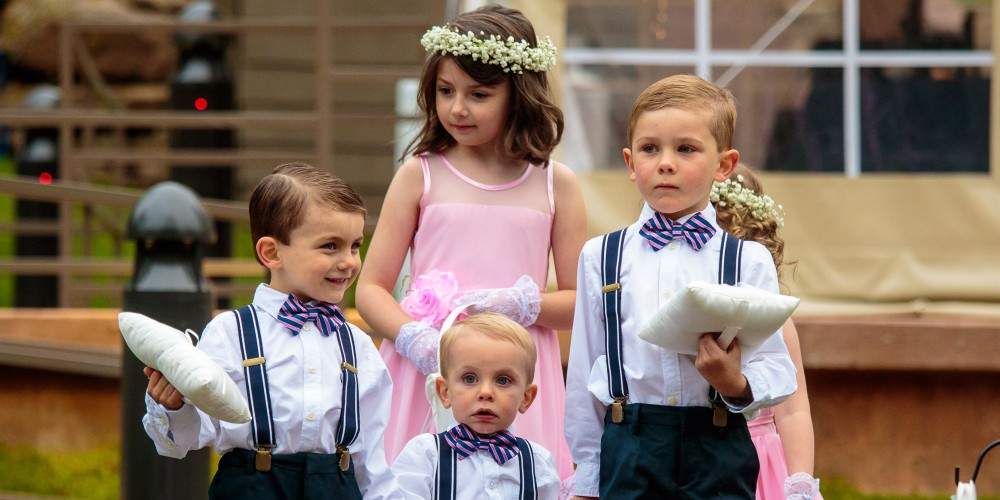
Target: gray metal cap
(172, 211)
(43, 96)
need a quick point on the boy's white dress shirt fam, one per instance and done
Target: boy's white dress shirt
(304, 382)
(476, 477)
(655, 375)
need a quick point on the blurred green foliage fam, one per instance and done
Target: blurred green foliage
(84, 475)
(90, 474)
(6, 238)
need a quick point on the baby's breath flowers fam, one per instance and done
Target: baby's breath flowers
(509, 54)
(733, 193)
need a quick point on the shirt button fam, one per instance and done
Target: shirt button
(492, 484)
(306, 327)
(667, 294)
(163, 421)
(313, 369)
(672, 400)
(310, 417)
(672, 245)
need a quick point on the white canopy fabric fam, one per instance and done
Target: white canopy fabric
(878, 244)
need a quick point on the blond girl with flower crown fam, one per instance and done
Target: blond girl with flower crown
(783, 434)
(481, 207)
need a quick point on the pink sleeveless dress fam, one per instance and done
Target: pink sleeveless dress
(488, 236)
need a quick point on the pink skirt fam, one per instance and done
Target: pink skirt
(773, 468)
(770, 452)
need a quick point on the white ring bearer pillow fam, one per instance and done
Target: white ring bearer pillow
(742, 311)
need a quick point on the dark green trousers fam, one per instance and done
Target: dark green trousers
(300, 476)
(664, 452)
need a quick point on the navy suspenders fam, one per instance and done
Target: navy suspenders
(260, 402)
(529, 488)
(256, 379)
(444, 476)
(611, 264)
(730, 262)
(350, 418)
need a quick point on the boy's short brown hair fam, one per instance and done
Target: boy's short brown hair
(495, 326)
(280, 199)
(690, 93)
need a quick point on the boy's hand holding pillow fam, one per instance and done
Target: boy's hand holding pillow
(750, 313)
(168, 350)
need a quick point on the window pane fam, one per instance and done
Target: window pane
(820, 24)
(925, 24)
(933, 118)
(781, 111)
(791, 119)
(630, 23)
(924, 120)
(597, 101)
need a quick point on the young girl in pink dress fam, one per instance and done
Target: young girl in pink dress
(480, 207)
(783, 435)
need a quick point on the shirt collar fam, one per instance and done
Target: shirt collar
(268, 299)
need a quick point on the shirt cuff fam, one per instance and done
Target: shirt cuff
(588, 480)
(746, 406)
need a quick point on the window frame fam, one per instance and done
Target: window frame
(851, 59)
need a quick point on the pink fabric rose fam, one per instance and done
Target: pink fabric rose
(429, 299)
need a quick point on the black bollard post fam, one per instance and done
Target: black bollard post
(170, 228)
(40, 160)
(202, 83)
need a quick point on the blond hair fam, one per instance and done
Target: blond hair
(690, 93)
(495, 326)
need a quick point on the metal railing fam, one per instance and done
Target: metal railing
(78, 151)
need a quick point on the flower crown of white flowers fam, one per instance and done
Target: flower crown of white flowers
(509, 54)
(734, 193)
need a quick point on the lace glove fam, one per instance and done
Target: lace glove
(801, 486)
(418, 342)
(521, 302)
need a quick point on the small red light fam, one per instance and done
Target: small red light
(201, 104)
(45, 178)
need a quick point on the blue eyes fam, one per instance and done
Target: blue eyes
(502, 380)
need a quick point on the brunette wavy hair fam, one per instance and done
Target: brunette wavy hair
(740, 222)
(534, 124)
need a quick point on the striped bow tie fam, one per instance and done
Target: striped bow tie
(294, 315)
(502, 445)
(659, 230)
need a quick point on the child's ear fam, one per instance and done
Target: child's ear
(727, 163)
(627, 153)
(529, 397)
(441, 385)
(267, 252)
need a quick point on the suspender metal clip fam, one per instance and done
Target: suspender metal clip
(720, 412)
(262, 461)
(344, 455)
(617, 411)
